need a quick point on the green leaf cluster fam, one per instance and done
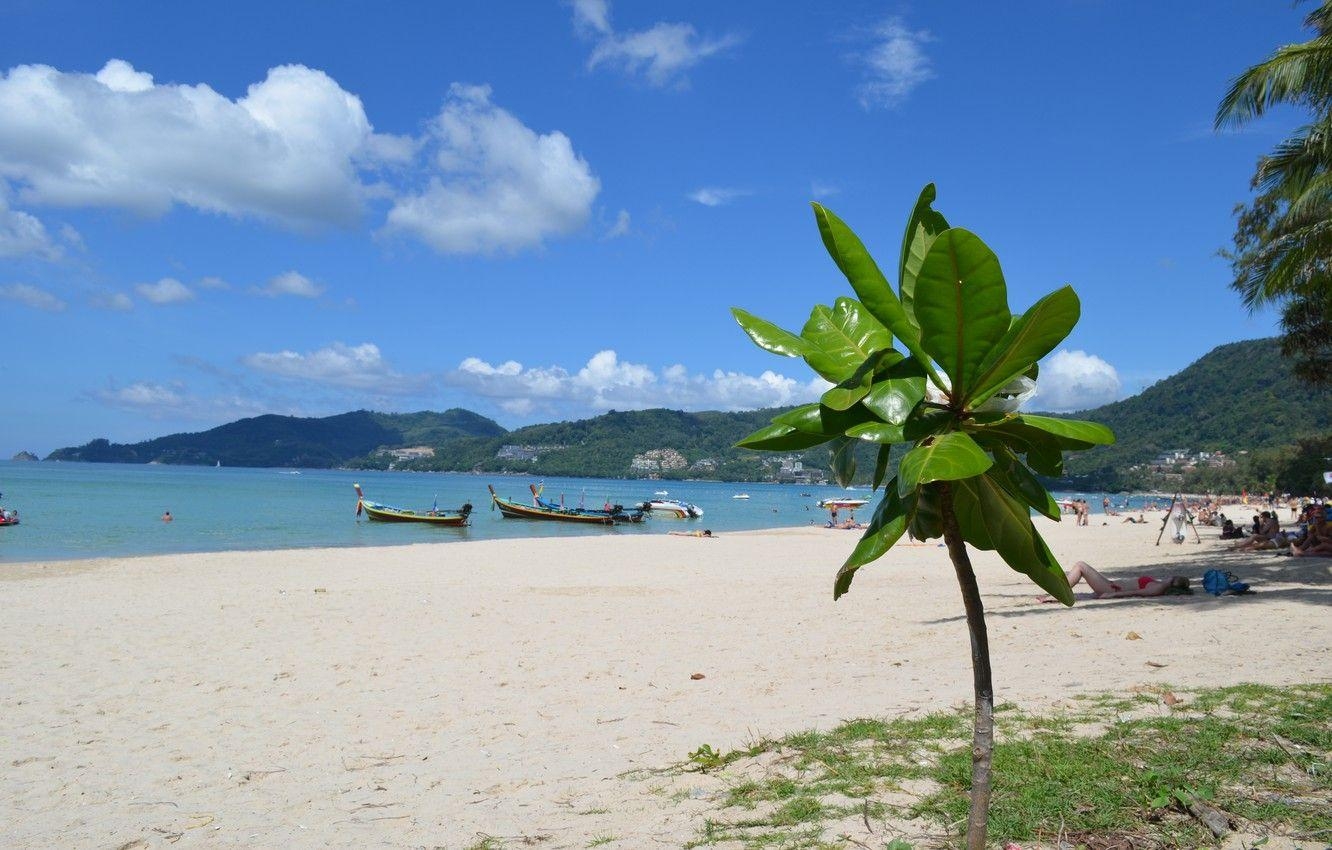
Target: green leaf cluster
(939, 366)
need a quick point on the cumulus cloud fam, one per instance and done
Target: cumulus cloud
(286, 151)
(175, 401)
(168, 290)
(715, 196)
(605, 382)
(1075, 380)
(116, 301)
(291, 283)
(620, 227)
(213, 282)
(893, 65)
(31, 296)
(22, 234)
(358, 367)
(662, 53)
(497, 184)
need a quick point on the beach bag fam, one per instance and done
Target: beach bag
(1217, 582)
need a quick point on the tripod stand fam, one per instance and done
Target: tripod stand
(1182, 518)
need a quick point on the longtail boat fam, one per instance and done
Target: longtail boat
(388, 513)
(542, 509)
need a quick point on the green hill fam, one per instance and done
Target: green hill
(1239, 397)
(291, 441)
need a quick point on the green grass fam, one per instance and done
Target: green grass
(1261, 754)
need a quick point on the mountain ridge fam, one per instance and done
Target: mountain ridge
(1239, 397)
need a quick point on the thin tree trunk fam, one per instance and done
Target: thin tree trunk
(982, 742)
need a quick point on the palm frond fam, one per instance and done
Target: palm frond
(1298, 74)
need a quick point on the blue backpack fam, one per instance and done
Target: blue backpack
(1217, 582)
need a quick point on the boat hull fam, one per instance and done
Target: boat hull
(381, 513)
(510, 509)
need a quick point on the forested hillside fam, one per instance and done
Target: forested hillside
(289, 440)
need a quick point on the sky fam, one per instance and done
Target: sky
(542, 211)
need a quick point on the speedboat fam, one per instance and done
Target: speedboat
(8, 516)
(675, 508)
(843, 503)
(740, 496)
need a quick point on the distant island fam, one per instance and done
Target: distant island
(25, 456)
(1234, 414)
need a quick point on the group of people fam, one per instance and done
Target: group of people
(1310, 535)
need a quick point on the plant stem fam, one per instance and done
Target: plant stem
(982, 741)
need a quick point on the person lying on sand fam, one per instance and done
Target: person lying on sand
(707, 532)
(1104, 588)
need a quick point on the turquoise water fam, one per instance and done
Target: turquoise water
(91, 510)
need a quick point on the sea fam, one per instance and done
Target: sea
(94, 510)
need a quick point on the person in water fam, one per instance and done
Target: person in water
(166, 517)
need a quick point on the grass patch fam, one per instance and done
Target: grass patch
(1261, 754)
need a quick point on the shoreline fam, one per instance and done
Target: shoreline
(354, 697)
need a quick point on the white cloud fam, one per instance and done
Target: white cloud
(291, 283)
(662, 53)
(168, 290)
(620, 227)
(606, 382)
(213, 282)
(31, 296)
(893, 65)
(1075, 380)
(498, 186)
(359, 367)
(716, 196)
(592, 16)
(175, 401)
(283, 152)
(117, 301)
(22, 234)
(819, 189)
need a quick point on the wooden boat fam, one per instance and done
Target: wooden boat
(388, 513)
(542, 509)
(674, 508)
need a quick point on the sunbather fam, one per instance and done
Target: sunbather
(1104, 588)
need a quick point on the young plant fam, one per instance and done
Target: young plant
(951, 394)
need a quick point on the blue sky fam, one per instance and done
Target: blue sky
(541, 211)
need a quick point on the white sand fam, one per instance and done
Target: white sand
(422, 696)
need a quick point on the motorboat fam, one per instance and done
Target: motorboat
(674, 508)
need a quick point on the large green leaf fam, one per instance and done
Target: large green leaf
(961, 304)
(823, 420)
(1031, 337)
(850, 255)
(842, 338)
(1012, 473)
(922, 227)
(881, 466)
(925, 421)
(948, 457)
(877, 432)
(843, 460)
(925, 512)
(1074, 430)
(857, 385)
(885, 529)
(768, 336)
(894, 399)
(780, 438)
(987, 511)
(1022, 436)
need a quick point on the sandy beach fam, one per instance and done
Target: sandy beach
(425, 696)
